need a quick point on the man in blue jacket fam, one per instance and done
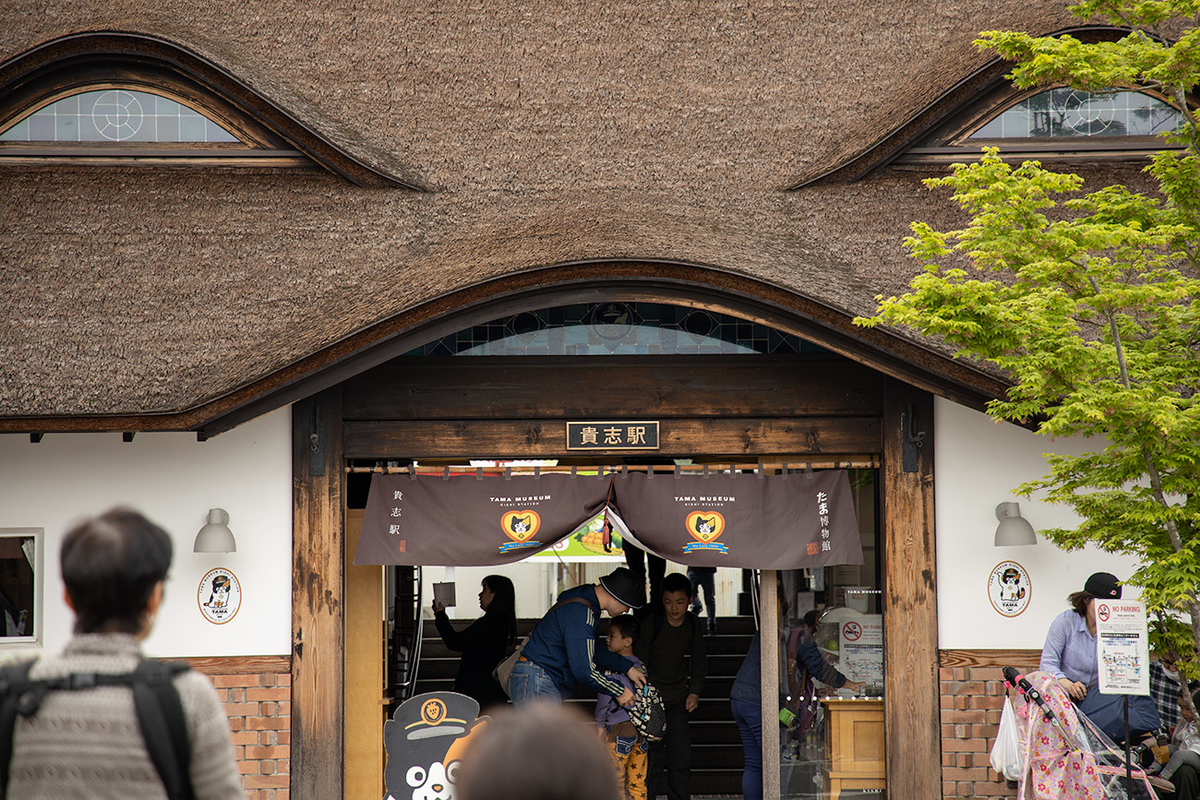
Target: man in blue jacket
(561, 652)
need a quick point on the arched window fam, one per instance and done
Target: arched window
(109, 113)
(1066, 113)
(1056, 125)
(117, 115)
(613, 328)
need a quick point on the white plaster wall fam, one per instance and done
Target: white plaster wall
(172, 479)
(977, 465)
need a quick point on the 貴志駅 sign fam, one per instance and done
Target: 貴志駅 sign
(612, 435)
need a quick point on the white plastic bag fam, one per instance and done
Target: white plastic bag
(1006, 752)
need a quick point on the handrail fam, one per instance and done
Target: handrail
(414, 660)
(754, 599)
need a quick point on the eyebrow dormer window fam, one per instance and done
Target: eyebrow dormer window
(117, 115)
(1057, 125)
(132, 100)
(156, 122)
(1065, 113)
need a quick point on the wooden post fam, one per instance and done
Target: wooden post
(318, 598)
(912, 696)
(366, 673)
(769, 682)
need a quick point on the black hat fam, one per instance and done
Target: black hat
(624, 587)
(1104, 585)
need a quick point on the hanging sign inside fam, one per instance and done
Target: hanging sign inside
(588, 543)
(722, 520)
(860, 647)
(1122, 647)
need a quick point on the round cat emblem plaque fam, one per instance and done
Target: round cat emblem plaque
(219, 596)
(1009, 588)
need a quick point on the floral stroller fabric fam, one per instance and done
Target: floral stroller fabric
(1069, 756)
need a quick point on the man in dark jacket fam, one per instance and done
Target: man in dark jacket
(561, 652)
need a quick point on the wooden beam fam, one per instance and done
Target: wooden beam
(318, 596)
(912, 697)
(673, 386)
(525, 438)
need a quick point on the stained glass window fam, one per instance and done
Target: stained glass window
(1072, 113)
(590, 329)
(116, 115)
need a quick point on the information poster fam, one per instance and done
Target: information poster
(1122, 647)
(860, 646)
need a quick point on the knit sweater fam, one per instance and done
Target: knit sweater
(88, 743)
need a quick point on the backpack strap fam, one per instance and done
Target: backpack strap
(164, 727)
(14, 681)
(156, 701)
(559, 605)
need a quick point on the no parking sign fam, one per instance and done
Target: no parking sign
(1122, 647)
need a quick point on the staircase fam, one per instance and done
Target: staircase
(716, 746)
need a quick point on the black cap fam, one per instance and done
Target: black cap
(1104, 585)
(624, 587)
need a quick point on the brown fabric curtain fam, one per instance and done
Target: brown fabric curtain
(723, 520)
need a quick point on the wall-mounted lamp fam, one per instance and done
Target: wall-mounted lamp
(215, 537)
(1013, 528)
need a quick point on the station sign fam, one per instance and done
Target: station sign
(613, 435)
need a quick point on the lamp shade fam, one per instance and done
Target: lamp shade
(1013, 528)
(215, 537)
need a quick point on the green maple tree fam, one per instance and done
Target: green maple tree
(1089, 299)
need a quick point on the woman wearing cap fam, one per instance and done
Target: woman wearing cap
(1070, 650)
(484, 642)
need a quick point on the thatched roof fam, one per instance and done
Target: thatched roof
(536, 135)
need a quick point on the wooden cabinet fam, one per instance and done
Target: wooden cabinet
(853, 745)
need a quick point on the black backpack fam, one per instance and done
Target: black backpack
(159, 712)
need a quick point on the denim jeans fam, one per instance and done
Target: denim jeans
(529, 682)
(748, 717)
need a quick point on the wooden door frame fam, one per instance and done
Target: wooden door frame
(318, 598)
(912, 720)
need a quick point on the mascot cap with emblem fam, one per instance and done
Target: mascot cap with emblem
(624, 587)
(1103, 585)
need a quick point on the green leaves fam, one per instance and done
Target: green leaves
(1089, 298)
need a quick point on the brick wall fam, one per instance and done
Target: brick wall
(972, 688)
(257, 693)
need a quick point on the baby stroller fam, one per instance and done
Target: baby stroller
(1061, 753)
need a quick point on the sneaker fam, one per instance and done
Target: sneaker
(712, 629)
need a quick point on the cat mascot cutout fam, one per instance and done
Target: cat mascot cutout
(425, 740)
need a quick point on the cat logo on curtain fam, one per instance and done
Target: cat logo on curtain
(521, 527)
(705, 527)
